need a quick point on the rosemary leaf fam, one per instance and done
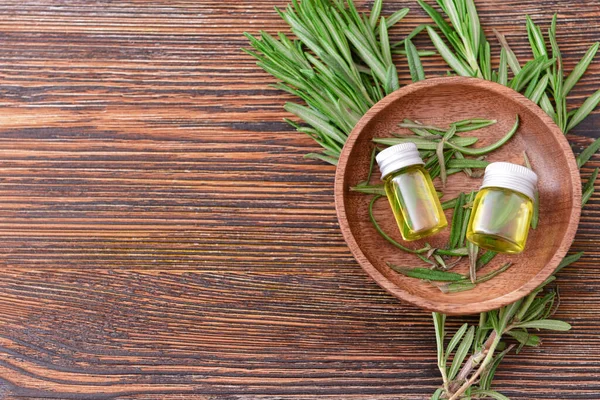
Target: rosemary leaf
(549, 324)
(396, 17)
(439, 322)
(536, 201)
(367, 189)
(525, 338)
(536, 39)
(495, 273)
(586, 154)
(511, 58)
(456, 339)
(457, 218)
(420, 53)
(385, 44)
(385, 235)
(414, 62)
(580, 69)
(411, 35)
(455, 63)
(588, 106)
(441, 23)
(473, 125)
(375, 13)
(568, 260)
(468, 208)
(461, 352)
(474, 25)
(328, 159)
(588, 189)
(437, 394)
(540, 89)
(467, 163)
(484, 150)
(427, 274)
(459, 252)
(371, 165)
(446, 205)
(455, 287)
(423, 144)
(489, 393)
(485, 259)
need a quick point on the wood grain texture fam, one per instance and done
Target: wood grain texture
(161, 236)
(440, 102)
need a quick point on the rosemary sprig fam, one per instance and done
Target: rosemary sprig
(540, 79)
(341, 64)
(348, 69)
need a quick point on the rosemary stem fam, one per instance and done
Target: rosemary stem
(489, 355)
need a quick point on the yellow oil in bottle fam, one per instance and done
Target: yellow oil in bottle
(500, 220)
(414, 202)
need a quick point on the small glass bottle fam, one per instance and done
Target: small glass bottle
(503, 208)
(411, 194)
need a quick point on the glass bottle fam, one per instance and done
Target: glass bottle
(410, 191)
(503, 208)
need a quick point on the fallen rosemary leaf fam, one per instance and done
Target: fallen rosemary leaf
(487, 149)
(424, 144)
(427, 274)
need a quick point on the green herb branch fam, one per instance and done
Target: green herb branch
(341, 64)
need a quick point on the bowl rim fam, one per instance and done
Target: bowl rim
(449, 307)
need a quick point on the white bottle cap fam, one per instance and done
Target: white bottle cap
(511, 176)
(397, 157)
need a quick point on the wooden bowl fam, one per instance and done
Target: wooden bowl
(441, 101)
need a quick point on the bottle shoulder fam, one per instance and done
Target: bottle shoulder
(411, 169)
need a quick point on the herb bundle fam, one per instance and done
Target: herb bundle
(341, 64)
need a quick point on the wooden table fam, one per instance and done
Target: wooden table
(163, 238)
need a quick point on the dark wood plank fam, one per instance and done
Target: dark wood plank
(161, 235)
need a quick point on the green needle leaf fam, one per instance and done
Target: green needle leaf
(484, 150)
(385, 43)
(511, 58)
(375, 13)
(549, 324)
(474, 25)
(580, 69)
(525, 338)
(589, 151)
(396, 17)
(411, 35)
(427, 274)
(568, 260)
(503, 68)
(414, 62)
(536, 39)
(485, 259)
(540, 89)
(461, 352)
(437, 394)
(425, 144)
(457, 223)
(467, 163)
(489, 393)
(367, 189)
(456, 339)
(588, 106)
(456, 64)
(588, 189)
